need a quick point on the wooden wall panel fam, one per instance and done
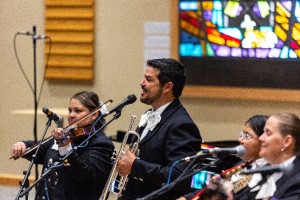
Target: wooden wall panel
(70, 24)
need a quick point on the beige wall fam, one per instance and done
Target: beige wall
(119, 46)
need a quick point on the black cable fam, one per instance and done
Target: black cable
(17, 57)
(22, 69)
(189, 171)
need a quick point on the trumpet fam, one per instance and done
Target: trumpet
(116, 183)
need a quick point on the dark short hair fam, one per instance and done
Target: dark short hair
(171, 70)
(257, 123)
(91, 101)
(88, 99)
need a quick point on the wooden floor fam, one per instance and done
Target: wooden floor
(9, 192)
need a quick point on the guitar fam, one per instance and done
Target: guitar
(221, 185)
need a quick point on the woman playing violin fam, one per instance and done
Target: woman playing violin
(84, 173)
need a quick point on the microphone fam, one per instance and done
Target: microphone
(267, 170)
(52, 116)
(128, 100)
(40, 37)
(237, 151)
(34, 36)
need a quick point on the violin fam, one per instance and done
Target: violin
(70, 132)
(79, 132)
(74, 134)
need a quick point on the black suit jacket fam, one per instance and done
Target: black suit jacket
(287, 187)
(84, 177)
(176, 136)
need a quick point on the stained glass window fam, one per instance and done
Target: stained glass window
(243, 43)
(232, 28)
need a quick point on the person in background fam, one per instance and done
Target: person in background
(280, 145)
(168, 133)
(84, 174)
(249, 138)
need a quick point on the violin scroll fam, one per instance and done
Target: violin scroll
(63, 137)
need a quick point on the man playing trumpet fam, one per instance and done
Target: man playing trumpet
(167, 133)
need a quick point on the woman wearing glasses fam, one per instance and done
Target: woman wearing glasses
(280, 145)
(249, 138)
(253, 128)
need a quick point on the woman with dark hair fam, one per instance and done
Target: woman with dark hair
(253, 128)
(84, 173)
(249, 138)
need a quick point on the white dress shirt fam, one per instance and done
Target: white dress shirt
(151, 119)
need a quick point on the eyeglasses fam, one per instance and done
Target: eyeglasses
(245, 135)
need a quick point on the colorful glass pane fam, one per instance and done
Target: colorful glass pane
(239, 28)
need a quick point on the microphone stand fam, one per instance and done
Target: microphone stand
(35, 94)
(25, 192)
(186, 174)
(25, 182)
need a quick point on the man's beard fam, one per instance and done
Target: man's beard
(150, 99)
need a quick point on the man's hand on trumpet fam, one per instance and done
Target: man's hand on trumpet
(125, 163)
